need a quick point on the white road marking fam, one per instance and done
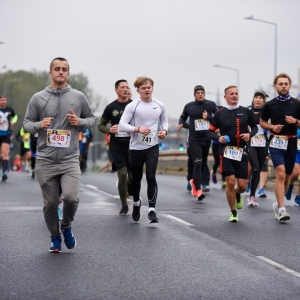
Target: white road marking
(178, 220)
(96, 189)
(279, 266)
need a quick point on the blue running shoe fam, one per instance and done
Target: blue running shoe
(289, 191)
(55, 244)
(69, 240)
(261, 193)
(297, 200)
(214, 178)
(248, 188)
(188, 186)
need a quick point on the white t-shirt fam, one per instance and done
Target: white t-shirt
(144, 114)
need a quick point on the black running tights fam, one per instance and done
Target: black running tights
(137, 159)
(257, 156)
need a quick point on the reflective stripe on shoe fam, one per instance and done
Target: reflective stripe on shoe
(152, 217)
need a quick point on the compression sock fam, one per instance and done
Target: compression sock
(4, 165)
(237, 196)
(122, 185)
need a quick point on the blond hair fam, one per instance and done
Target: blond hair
(282, 75)
(142, 80)
(230, 87)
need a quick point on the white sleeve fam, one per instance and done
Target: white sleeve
(126, 118)
(164, 119)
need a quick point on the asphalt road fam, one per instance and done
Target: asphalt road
(192, 253)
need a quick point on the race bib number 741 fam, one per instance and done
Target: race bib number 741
(149, 139)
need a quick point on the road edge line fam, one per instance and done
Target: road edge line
(279, 266)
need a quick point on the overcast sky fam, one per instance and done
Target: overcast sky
(175, 42)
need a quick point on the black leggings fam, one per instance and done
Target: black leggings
(257, 156)
(199, 152)
(137, 159)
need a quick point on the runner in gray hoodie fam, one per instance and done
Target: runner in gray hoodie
(57, 114)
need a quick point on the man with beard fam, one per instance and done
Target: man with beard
(283, 112)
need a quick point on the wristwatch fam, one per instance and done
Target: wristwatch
(297, 121)
(166, 131)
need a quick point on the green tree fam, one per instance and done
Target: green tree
(19, 86)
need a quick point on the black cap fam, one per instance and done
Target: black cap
(264, 93)
(198, 88)
(261, 94)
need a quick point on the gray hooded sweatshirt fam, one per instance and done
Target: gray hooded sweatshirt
(57, 103)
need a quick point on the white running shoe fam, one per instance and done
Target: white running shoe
(283, 215)
(275, 208)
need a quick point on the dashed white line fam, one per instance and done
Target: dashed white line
(279, 266)
(96, 189)
(178, 220)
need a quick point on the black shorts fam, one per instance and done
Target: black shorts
(120, 153)
(283, 157)
(4, 139)
(23, 150)
(230, 167)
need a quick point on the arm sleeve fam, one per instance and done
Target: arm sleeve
(125, 119)
(164, 119)
(214, 125)
(31, 121)
(183, 116)
(265, 115)
(87, 118)
(252, 124)
(14, 118)
(102, 126)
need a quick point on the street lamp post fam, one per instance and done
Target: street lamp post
(8, 81)
(275, 54)
(233, 69)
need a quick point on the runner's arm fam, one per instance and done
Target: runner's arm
(125, 120)
(102, 126)
(31, 122)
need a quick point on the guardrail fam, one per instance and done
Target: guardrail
(176, 160)
(169, 160)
